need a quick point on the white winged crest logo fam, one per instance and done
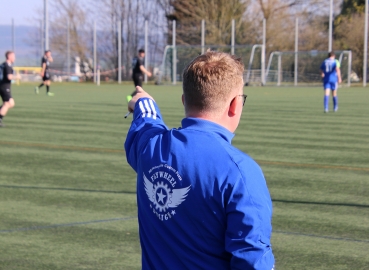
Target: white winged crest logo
(163, 196)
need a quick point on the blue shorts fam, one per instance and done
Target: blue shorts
(330, 85)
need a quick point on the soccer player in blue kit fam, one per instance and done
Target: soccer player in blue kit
(202, 203)
(331, 74)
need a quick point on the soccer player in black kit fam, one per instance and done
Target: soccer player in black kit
(138, 71)
(5, 85)
(45, 74)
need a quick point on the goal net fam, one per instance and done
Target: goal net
(303, 68)
(175, 59)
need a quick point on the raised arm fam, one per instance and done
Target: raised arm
(147, 123)
(140, 93)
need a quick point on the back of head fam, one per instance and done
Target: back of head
(8, 54)
(331, 54)
(210, 81)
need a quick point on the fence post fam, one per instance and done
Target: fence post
(46, 25)
(296, 50)
(330, 26)
(95, 64)
(349, 68)
(42, 37)
(68, 47)
(365, 60)
(279, 69)
(119, 52)
(174, 64)
(13, 36)
(146, 48)
(263, 79)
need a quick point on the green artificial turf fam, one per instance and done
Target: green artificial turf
(67, 194)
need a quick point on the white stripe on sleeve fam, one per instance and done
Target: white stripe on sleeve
(142, 108)
(153, 109)
(147, 108)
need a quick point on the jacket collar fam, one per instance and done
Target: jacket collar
(207, 126)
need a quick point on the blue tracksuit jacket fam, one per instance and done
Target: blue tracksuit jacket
(202, 203)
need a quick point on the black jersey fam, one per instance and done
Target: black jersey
(136, 63)
(7, 69)
(46, 61)
(5, 83)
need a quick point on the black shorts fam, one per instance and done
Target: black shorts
(5, 93)
(137, 79)
(46, 76)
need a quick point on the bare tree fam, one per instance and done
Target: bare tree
(131, 14)
(79, 29)
(218, 15)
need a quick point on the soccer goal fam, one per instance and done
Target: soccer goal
(303, 67)
(27, 74)
(175, 58)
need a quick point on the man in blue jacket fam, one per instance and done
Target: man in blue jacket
(202, 203)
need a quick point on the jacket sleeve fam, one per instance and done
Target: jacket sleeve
(147, 123)
(249, 213)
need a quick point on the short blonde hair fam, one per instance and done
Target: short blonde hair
(209, 81)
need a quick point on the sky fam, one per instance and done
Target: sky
(22, 11)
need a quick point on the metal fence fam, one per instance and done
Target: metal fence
(175, 59)
(98, 51)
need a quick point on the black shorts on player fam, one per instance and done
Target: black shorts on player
(46, 77)
(5, 93)
(137, 79)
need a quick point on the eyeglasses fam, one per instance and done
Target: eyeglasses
(244, 99)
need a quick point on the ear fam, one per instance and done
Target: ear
(183, 99)
(233, 107)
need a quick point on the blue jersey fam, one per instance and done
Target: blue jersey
(329, 67)
(202, 203)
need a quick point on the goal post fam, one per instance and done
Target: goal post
(27, 74)
(175, 59)
(281, 67)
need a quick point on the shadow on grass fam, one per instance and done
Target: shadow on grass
(323, 203)
(70, 189)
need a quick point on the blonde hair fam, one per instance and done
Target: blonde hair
(210, 80)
